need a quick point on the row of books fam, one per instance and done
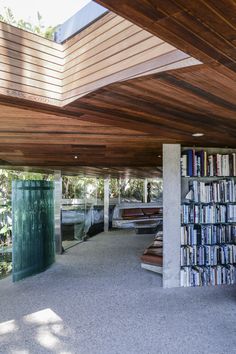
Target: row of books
(207, 255)
(200, 163)
(208, 214)
(207, 234)
(204, 276)
(221, 191)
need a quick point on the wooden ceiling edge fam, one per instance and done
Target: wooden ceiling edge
(157, 20)
(45, 107)
(93, 117)
(121, 13)
(189, 62)
(178, 63)
(99, 171)
(56, 99)
(63, 103)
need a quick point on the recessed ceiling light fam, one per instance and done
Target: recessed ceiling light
(197, 134)
(75, 157)
(159, 156)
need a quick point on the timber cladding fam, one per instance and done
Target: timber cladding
(205, 29)
(118, 90)
(111, 49)
(122, 124)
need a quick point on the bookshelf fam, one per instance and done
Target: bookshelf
(208, 216)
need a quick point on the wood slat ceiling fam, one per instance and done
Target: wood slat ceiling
(205, 29)
(109, 50)
(119, 129)
(45, 140)
(123, 124)
(174, 105)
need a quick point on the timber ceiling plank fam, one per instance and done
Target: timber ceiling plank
(204, 29)
(161, 108)
(109, 50)
(125, 123)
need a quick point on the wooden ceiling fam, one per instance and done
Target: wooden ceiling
(123, 125)
(205, 29)
(35, 139)
(109, 50)
(119, 128)
(171, 106)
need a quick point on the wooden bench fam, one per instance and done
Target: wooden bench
(141, 213)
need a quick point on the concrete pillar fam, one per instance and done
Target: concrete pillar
(145, 194)
(57, 210)
(171, 215)
(96, 192)
(106, 203)
(85, 202)
(119, 187)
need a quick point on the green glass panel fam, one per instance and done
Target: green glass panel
(32, 227)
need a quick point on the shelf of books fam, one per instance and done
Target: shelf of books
(208, 217)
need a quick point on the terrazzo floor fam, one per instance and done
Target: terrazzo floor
(96, 299)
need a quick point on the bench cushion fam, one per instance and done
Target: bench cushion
(132, 213)
(152, 211)
(149, 211)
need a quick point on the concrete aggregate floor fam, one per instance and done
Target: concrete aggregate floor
(96, 299)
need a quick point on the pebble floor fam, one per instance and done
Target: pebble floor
(97, 300)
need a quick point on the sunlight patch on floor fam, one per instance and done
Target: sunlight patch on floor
(46, 316)
(8, 327)
(48, 327)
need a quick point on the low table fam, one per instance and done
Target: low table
(146, 227)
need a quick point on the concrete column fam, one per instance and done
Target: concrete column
(145, 194)
(106, 203)
(96, 192)
(171, 215)
(85, 202)
(57, 210)
(119, 187)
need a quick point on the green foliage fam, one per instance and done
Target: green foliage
(4, 229)
(82, 187)
(5, 268)
(5, 224)
(8, 16)
(132, 189)
(7, 176)
(5, 262)
(38, 28)
(89, 188)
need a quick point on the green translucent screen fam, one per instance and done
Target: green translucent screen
(32, 227)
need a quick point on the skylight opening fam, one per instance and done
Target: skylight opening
(41, 17)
